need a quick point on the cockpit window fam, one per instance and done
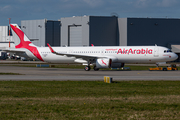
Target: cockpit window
(167, 51)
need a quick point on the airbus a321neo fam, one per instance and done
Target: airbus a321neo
(99, 57)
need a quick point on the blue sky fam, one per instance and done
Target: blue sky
(19, 10)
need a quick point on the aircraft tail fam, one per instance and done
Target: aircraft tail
(22, 41)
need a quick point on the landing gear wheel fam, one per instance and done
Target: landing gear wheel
(96, 69)
(87, 68)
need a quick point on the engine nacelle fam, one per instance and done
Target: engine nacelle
(103, 63)
(117, 65)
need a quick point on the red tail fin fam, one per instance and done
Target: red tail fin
(21, 41)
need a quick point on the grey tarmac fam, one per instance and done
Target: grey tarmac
(64, 74)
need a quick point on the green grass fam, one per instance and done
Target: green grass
(9, 73)
(89, 100)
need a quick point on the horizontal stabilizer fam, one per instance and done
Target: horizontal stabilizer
(15, 50)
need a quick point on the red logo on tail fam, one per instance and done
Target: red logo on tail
(25, 44)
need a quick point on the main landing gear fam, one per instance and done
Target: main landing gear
(87, 68)
(95, 68)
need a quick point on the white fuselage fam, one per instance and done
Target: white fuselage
(118, 54)
(99, 57)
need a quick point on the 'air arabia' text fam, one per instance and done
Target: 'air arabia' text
(135, 51)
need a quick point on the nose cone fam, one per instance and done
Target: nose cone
(174, 56)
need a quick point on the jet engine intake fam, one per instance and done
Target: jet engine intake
(103, 63)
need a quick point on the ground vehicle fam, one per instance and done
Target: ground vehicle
(172, 67)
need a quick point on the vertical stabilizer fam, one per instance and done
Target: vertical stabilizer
(19, 37)
(22, 41)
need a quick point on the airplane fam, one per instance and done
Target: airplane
(98, 56)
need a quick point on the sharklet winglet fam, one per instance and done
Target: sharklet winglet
(50, 48)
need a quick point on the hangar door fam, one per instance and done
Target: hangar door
(75, 36)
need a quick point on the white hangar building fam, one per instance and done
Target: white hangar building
(102, 31)
(73, 31)
(5, 37)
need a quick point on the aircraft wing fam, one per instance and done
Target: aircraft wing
(85, 57)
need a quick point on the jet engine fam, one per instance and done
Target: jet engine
(103, 63)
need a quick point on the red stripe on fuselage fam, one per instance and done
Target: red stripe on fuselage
(25, 44)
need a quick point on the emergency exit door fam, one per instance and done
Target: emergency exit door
(156, 52)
